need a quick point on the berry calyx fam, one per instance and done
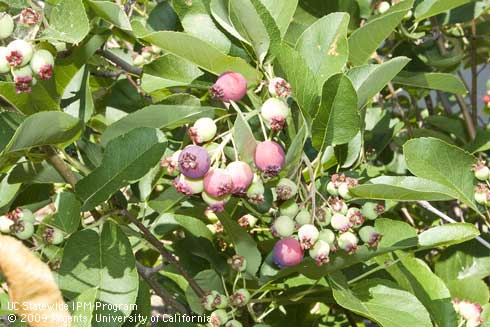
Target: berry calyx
(188, 186)
(53, 236)
(42, 64)
(240, 298)
(340, 222)
(242, 176)
(6, 25)
(482, 172)
(283, 227)
(319, 252)
(4, 64)
(370, 236)
(23, 230)
(279, 87)
(28, 16)
(218, 182)
(238, 263)
(372, 210)
(19, 53)
(355, 216)
(172, 162)
(338, 205)
(269, 158)
(230, 86)
(482, 194)
(287, 252)
(286, 189)
(275, 111)
(203, 130)
(23, 79)
(308, 235)
(194, 161)
(247, 221)
(348, 242)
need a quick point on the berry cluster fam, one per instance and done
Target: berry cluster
(147, 54)
(482, 190)
(20, 223)
(20, 57)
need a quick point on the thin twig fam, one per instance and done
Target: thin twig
(163, 251)
(312, 186)
(474, 75)
(61, 167)
(120, 62)
(428, 206)
(148, 274)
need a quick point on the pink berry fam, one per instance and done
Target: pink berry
(287, 252)
(486, 99)
(194, 161)
(230, 86)
(340, 222)
(218, 182)
(241, 175)
(23, 79)
(269, 158)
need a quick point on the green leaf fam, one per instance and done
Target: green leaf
(429, 8)
(201, 53)
(44, 128)
(77, 98)
(68, 22)
(141, 315)
(282, 16)
(195, 226)
(337, 120)
(83, 306)
(121, 166)
(168, 71)
(480, 143)
(403, 188)
(111, 12)
(448, 234)
(368, 80)
(445, 164)
(67, 217)
(381, 301)
(269, 23)
(430, 290)
(295, 150)
(43, 97)
(220, 12)
(244, 139)
(104, 261)
(157, 116)
(244, 243)
(295, 70)
(8, 190)
(470, 289)
(433, 81)
(9, 122)
(166, 200)
(324, 46)
(196, 20)
(365, 40)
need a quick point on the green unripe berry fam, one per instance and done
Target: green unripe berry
(6, 25)
(26, 215)
(286, 189)
(218, 317)
(283, 226)
(289, 208)
(372, 210)
(303, 217)
(25, 231)
(331, 189)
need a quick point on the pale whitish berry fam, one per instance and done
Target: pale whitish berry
(344, 191)
(303, 217)
(146, 53)
(5, 224)
(340, 222)
(347, 242)
(319, 252)
(233, 323)
(289, 208)
(4, 64)
(218, 318)
(482, 172)
(323, 216)
(338, 205)
(203, 130)
(275, 111)
(370, 236)
(247, 221)
(283, 226)
(215, 204)
(308, 235)
(279, 87)
(371, 210)
(19, 53)
(240, 298)
(138, 60)
(471, 312)
(188, 186)
(383, 7)
(332, 189)
(286, 189)
(155, 50)
(42, 64)
(6, 25)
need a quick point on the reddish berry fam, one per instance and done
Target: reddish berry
(241, 175)
(287, 252)
(218, 182)
(486, 99)
(194, 161)
(269, 158)
(230, 86)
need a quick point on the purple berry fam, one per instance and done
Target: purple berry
(218, 182)
(194, 161)
(269, 158)
(241, 175)
(230, 86)
(287, 252)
